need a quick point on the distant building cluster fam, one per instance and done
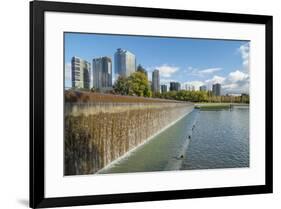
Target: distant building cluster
(216, 89)
(203, 88)
(175, 86)
(189, 87)
(100, 72)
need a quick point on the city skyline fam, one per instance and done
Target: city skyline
(232, 58)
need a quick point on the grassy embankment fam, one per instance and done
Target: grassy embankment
(217, 106)
(212, 106)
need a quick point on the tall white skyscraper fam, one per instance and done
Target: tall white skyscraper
(80, 73)
(102, 72)
(125, 63)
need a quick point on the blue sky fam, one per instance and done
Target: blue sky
(189, 61)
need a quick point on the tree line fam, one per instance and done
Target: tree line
(202, 96)
(137, 84)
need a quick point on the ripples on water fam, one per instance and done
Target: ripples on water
(218, 139)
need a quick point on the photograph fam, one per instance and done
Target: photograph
(136, 103)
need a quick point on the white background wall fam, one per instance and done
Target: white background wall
(14, 94)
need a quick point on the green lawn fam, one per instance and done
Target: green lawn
(212, 106)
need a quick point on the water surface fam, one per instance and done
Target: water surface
(201, 140)
(220, 140)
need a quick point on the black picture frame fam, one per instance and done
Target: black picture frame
(37, 195)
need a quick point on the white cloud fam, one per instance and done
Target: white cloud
(166, 81)
(190, 84)
(190, 68)
(244, 51)
(215, 79)
(237, 76)
(235, 82)
(236, 88)
(202, 72)
(209, 70)
(166, 71)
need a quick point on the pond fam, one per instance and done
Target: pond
(201, 140)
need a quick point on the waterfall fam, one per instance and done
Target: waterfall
(98, 133)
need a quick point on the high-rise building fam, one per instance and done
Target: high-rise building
(155, 81)
(203, 88)
(175, 86)
(80, 73)
(102, 73)
(164, 88)
(216, 89)
(125, 63)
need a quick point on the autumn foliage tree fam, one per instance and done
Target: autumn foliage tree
(135, 85)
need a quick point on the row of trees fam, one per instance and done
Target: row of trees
(201, 96)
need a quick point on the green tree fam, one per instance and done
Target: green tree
(121, 86)
(142, 70)
(136, 84)
(147, 92)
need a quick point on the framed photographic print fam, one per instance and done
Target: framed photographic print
(135, 104)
